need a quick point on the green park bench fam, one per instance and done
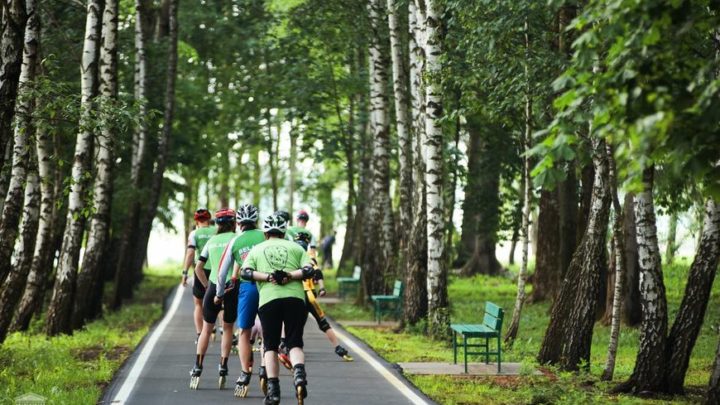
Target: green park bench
(491, 328)
(346, 284)
(389, 304)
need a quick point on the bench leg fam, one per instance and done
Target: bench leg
(465, 352)
(499, 356)
(454, 338)
(487, 350)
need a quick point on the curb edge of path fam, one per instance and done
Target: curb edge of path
(118, 378)
(394, 369)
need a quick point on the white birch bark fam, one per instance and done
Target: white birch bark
(140, 135)
(618, 241)
(11, 210)
(59, 311)
(381, 207)
(102, 187)
(438, 311)
(401, 114)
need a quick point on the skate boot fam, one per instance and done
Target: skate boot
(342, 352)
(263, 379)
(242, 385)
(300, 382)
(222, 375)
(272, 397)
(195, 377)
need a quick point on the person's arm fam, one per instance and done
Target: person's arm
(320, 280)
(189, 257)
(226, 262)
(199, 273)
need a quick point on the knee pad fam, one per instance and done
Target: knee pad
(323, 324)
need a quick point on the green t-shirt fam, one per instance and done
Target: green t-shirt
(293, 231)
(277, 254)
(198, 238)
(238, 249)
(213, 252)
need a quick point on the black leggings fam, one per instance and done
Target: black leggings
(289, 311)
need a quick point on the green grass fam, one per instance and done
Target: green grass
(467, 297)
(75, 369)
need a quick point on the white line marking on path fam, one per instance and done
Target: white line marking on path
(392, 379)
(137, 368)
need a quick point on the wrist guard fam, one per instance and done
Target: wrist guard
(247, 274)
(308, 272)
(318, 275)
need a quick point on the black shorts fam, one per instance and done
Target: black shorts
(198, 288)
(289, 311)
(228, 305)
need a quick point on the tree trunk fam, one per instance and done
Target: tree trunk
(355, 126)
(292, 169)
(670, 247)
(15, 15)
(631, 303)
(60, 309)
(712, 396)
(272, 160)
(415, 297)
(650, 364)
(379, 251)
(568, 338)
(89, 277)
(619, 270)
(482, 198)
(14, 18)
(42, 262)
(689, 319)
(512, 330)
(257, 170)
(128, 242)
(438, 308)
(548, 274)
(405, 146)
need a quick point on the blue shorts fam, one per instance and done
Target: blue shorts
(248, 300)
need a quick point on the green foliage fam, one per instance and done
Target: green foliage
(75, 368)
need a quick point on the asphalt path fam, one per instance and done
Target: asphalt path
(158, 371)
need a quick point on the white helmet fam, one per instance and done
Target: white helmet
(275, 223)
(247, 213)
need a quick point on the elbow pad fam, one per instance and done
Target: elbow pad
(318, 275)
(308, 272)
(247, 274)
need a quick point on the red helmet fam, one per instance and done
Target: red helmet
(224, 215)
(202, 215)
(302, 215)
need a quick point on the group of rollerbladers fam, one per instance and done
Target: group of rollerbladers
(262, 276)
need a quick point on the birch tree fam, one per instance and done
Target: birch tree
(379, 254)
(618, 243)
(401, 119)
(712, 396)
(649, 373)
(89, 277)
(438, 309)
(568, 337)
(60, 309)
(512, 331)
(12, 19)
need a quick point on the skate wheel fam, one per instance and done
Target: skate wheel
(194, 383)
(263, 386)
(221, 382)
(241, 391)
(348, 357)
(300, 394)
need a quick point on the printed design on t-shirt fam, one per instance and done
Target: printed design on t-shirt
(277, 257)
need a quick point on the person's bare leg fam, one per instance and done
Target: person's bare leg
(204, 339)
(227, 338)
(271, 364)
(297, 356)
(245, 350)
(197, 314)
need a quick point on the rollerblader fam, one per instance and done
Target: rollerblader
(196, 242)
(278, 266)
(301, 219)
(220, 294)
(303, 239)
(232, 258)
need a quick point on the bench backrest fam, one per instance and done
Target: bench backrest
(356, 273)
(493, 316)
(398, 288)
